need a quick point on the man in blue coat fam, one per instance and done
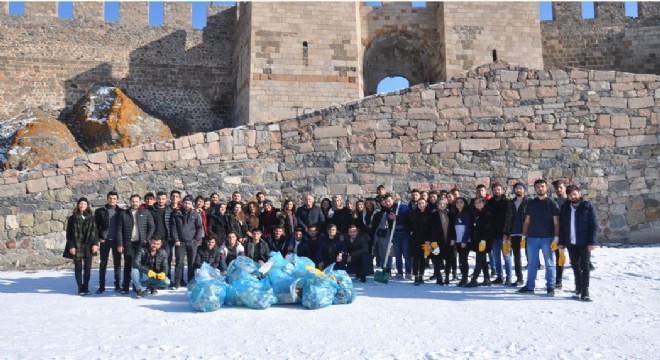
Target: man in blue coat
(578, 230)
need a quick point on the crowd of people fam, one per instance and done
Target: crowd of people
(435, 229)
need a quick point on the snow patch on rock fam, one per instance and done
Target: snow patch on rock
(100, 104)
(8, 129)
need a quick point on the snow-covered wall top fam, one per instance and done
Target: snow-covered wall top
(496, 123)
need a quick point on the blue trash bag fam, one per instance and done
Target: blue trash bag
(208, 295)
(345, 290)
(302, 266)
(319, 291)
(281, 274)
(253, 293)
(204, 273)
(241, 267)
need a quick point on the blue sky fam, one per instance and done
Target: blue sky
(65, 10)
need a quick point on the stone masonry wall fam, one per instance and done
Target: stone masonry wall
(495, 123)
(609, 41)
(179, 74)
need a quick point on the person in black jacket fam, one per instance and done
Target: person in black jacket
(443, 233)
(257, 250)
(419, 225)
(136, 227)
(107, 224)
(463, 224)
(187, 233)
(498, 206)
(230, 251)
(150, 268)
(208, 253)
(278, 241)
(81, 243)
(162, 214)
(578, 227)
(340, 215)
(515, 215)
(482, 243)
(309, 214)
(357, 255)
(332, 249)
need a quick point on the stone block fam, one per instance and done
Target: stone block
(638, 103)
(201, 151)
(546, 91)
(456, 125)
(38, 185)
(428, 95)
(619, 121)
(214, 148)
(575, 143)
(422, 114)
(117, 158)
(454, 113)
(508, 75)
(134, 154)
(613, 102)
(56, 182)
(11, 222)
(226, 144)
(480, 144)
(601, 141)
(517, 144)
(388, 146)
(251, 136)
(486, 111)
(638, 122)
(98, 158)
(446, 146)
(12, 190)
(554, 144)
(450, 102)
(363, 144)
(527, 93)
(426, 126)
(214, 136)
(330, 131)
(195, 139)
(598, 184)
(604, 121)
(66, 163)
(519, 111)
(26, 220)
(636, 140)
(232, 180)
(545, 135)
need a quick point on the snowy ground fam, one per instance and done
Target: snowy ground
(42, 318)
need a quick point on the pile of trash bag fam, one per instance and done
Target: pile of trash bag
(291, 280)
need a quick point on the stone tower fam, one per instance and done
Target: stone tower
(293, 57)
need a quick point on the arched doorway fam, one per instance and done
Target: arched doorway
(400, 54)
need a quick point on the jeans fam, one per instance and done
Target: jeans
(400, 241)
(105, 248)
(533, 247)
(497, 252)
(141, 280)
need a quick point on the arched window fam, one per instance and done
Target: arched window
(392, 83)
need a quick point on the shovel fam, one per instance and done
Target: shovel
(380, 275)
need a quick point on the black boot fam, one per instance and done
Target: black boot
(472, 283)
(447, 279)
(463, 282)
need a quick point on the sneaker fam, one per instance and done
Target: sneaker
(508, 282)
(576, 295)
(551, 292)
(525, 290)
(432, 277)
(363, 279)
(399, 276)
(153, 291)
(586, 298)
(117, 288)
(408, 277)
(486, 283)
(124, 291)
(519, 282)
(472, 284)
(558, 286)
(454, 277)
(139, 294)
(591, 267)
(498, 281)
(100, 291)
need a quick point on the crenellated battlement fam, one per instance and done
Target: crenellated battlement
(606, 12)
(175, 14)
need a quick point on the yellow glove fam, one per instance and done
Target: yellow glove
(523, 242)
(554, 246)
(161, 276)
(435, 249)
(562, 258)
(151, 274)
(427, 249)
(482, 245)
(506, 247)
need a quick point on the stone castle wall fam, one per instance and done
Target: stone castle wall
(609, 41)
(497, 123)
(178, 73)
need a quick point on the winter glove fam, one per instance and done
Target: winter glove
(562, 258)
(427, 249)
(506, 247)
(555, 244)
(482, 245)
(161, 276)
(523, 242)
(151, 274)
(435, 248)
